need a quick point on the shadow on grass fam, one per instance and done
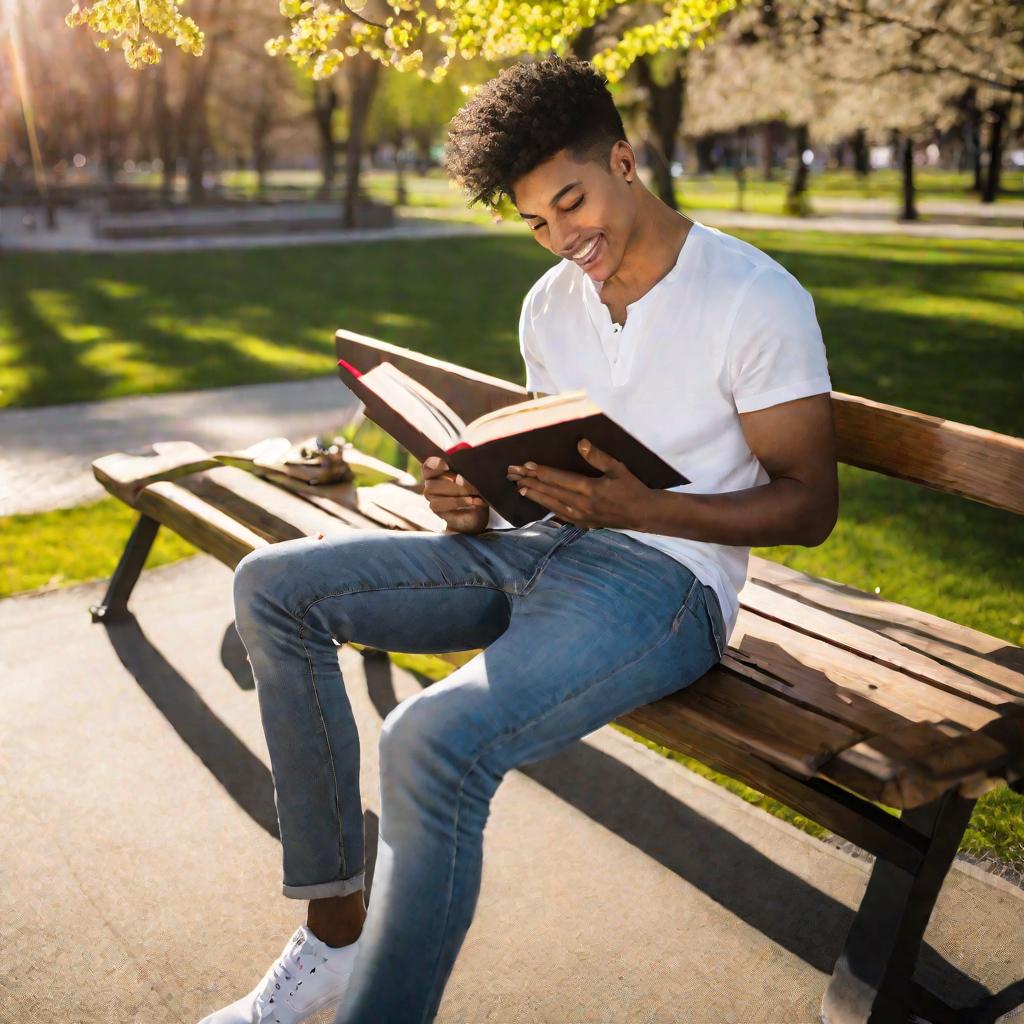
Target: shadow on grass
(166, 321)
(252, 316)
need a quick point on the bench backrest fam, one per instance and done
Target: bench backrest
(936, 453)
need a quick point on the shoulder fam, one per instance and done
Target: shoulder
(750, 278)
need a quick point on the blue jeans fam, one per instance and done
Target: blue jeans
(579, 626)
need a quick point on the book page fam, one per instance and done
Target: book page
(413, 405)
(526, 416)
(447, 416)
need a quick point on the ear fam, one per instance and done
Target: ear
(623, 161)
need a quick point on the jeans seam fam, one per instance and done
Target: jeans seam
(719, 641)
(497, 742)
(330, 749)
(685, 607)
(560, 542)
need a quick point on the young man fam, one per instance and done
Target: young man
(702, 346)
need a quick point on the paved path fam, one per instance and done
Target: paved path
(46, 453)
(74, 234)
(840, 216)
(141, 868)
(848, 224)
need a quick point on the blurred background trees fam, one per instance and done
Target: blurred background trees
(758, 90)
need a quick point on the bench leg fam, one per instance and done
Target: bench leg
(873, 978)
(133, 558)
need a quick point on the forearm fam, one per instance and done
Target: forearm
(783, 511)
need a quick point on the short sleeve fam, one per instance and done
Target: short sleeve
(537, 376)
(775, 352)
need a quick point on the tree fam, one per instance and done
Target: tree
(408, 110)
(424, 36)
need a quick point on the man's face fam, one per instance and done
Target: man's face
(581, 211)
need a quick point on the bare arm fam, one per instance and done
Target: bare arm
(795, 442)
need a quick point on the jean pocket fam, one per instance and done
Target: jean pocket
(715, 617)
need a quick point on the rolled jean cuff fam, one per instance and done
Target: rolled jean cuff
(339, 887)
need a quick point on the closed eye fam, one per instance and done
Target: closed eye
(568, 209)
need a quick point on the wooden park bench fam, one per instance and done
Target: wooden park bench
(829, 699)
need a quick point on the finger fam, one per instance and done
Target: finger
(550, 495)
(599, 459)
(455, 504)
(562, 477)
(434, 466)
(467, 487)
(445, 485)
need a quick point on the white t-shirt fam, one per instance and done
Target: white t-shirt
(728, 330)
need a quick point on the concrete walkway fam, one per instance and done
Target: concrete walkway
(74, 234)
(46, 453)
(839, 216)
(141, 868)
(847, 224)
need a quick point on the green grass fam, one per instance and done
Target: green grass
(718, 191)
(55, 549)
(932, 325)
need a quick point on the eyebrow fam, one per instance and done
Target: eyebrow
(558, 195)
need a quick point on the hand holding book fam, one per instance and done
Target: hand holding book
(454, 498)
(543, 430)
(616, 498)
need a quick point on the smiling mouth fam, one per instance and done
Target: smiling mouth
(583, 256)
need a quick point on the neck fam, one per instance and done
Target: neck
(653, 247)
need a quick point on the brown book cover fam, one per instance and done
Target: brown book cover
(544, 430)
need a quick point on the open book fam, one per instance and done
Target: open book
(543, 430)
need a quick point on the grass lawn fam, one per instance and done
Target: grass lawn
(718, 191)
(932, 325)
(711, 191)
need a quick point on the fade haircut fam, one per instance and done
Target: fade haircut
(523, 117)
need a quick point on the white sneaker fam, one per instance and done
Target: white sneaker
(306, 977)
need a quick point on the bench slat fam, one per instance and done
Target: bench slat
(787, 735)
(867, 643)
(936, 453)
(208, 528)
(274, 513)
(124, 475)
(810, 670)
(996, 662)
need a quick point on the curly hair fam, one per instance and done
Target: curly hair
(522, 117)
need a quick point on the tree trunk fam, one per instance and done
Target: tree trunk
(261, 152)
(861, 156)
(909, 206)
(401, 195)
(768, 151)
(165, 138)
(325, 102)
(997, 123)
(664, 116)
(195, 159)
(705, 159)
(796, 197)
(583, 45)
(741, 166)
(364, 73)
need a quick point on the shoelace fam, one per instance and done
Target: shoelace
(297, 960)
